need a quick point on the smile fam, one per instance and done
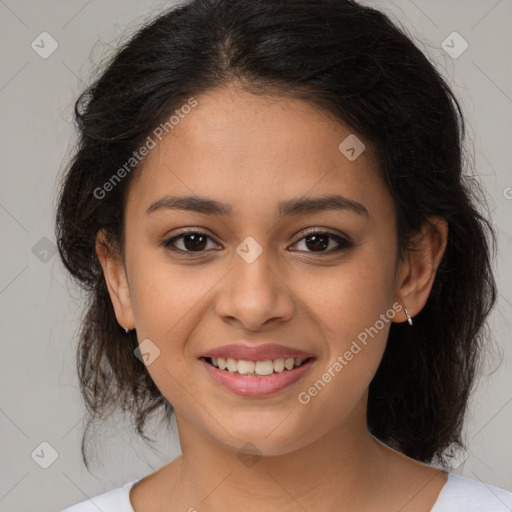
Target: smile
(255, 368)
(256, 378)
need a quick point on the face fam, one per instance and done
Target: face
(255, 274)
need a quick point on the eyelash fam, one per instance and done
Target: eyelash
(344, 243)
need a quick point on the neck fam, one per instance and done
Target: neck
(345, 466)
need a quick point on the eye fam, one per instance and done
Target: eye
(191, 241)
(316, 241)
(319, 240)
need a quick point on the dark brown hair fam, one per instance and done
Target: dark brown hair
(356, 64)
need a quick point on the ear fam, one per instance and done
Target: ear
(117, 283)
(417, 273)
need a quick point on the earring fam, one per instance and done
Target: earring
(409, 319)
(127, 331)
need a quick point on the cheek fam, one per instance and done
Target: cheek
(352, 308)
(169, 301)
(347, 298)
(355, 345)
(166, 296)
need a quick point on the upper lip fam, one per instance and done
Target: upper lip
(248, 351)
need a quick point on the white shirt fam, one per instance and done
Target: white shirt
(459, 494)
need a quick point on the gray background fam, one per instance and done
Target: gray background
(40, 308)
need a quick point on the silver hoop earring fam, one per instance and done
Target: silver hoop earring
(409, 319)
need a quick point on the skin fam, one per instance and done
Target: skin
(252, 152)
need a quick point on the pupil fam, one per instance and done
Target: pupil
(322, 241)
(194, 238)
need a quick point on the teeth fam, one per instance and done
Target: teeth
(279, 365)
(245, 367)
(232, 365)
(288, 364)
(266, 367)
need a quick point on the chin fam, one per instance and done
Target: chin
(263, 441)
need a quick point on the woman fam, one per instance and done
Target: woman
(268, 210)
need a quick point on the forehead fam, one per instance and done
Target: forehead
(252, 150)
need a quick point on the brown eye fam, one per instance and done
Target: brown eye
(319, 241)
(190, 241)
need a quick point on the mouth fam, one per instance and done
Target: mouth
(256, 378)
(249, 368)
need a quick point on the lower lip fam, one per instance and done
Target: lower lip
(256, 386)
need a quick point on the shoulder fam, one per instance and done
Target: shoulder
(461, 494)
(116, 500)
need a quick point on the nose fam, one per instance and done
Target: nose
(254, 294)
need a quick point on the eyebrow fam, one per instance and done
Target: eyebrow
(286, 208)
